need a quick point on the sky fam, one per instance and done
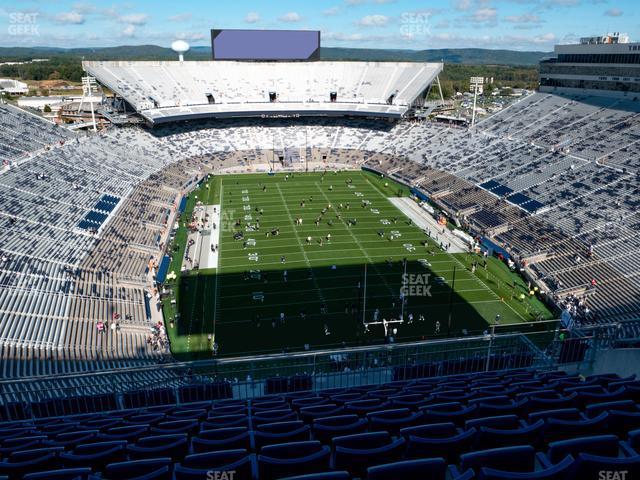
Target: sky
(403, 24)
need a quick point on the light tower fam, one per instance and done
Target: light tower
(180, 47)
(476, 84)
(89, 90)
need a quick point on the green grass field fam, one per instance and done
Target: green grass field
(240, 310)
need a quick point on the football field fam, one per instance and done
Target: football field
(321, 259)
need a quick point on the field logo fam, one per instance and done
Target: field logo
(23, 24)
(415, 25)
(415, 285)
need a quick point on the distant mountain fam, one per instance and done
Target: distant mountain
(467, 56)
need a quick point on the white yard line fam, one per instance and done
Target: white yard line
(355, 239)
(219, 266)
(304, 253)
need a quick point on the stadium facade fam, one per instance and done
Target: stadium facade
(607, 65)
(172, 91)
(549, 184)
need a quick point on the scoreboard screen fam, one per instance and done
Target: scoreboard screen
(265, 44)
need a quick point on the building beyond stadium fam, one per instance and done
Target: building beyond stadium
(607, 65)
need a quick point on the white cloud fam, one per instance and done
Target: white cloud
(462, 5)
(84, 8)
(373, 21)
(129, 31)
(484, 15)
(192, 37)
(69, 18)
(560, 3)
(351, 37)
(181, 17)
(252, 17)
(134, 19)
(524, 18)
(613, 12)
(290, 17)
(547, 38)
(329, 12)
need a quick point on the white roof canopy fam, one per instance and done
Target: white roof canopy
(167, 91)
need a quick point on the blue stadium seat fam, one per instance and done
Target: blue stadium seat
(151, 418)
(560, 471)
(560, 413)
(15, 444)
(225, 421)
(537, 403)
(620, 422)
(393, 420)
(309, 414)
(559, 429)
(290, 459)
(355, 453)
(519, 458)
(188, 414)
(431, 468)
(604, 445)
(97, 455)
(412, 401)
(20, 463)
(174, 446)
(200, 466)
(23, 431)
(281, 432)
(130, 433)
(72, 439)
(504, 422)
(149, 469)
(596, 409)
(299, 403)
(270, 405)
(176, 426)
(498, 405)
(492, 437)
(221, 439)
(454, 412)
(587, 398)
(63, 474)
(366, 405)
(438, 440)
(342, 398)
(326, 428)
(105, 423)
(231, 409)
(271, 416)
(340, 475)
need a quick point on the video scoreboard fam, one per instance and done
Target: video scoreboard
(267, 45)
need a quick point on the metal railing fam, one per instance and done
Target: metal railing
(249, 377)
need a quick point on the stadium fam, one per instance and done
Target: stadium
(274, 266)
